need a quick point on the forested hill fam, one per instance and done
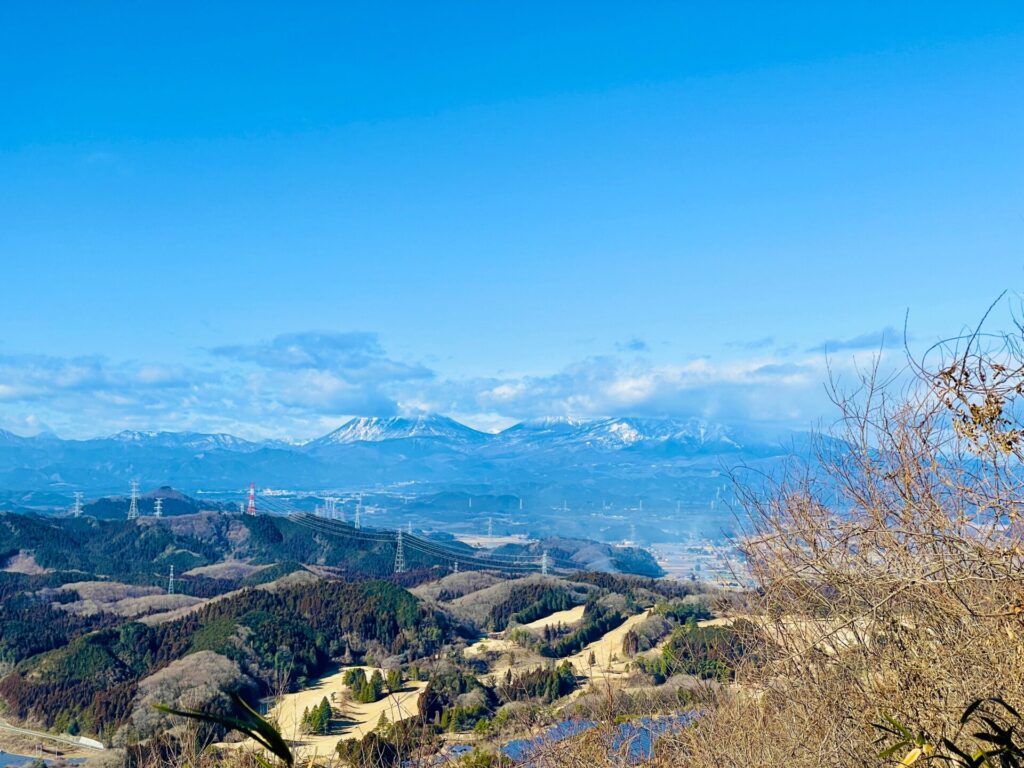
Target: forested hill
(142, 551)
(256, 640)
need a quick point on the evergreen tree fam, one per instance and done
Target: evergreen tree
(394, 680)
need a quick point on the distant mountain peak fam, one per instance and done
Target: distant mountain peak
(132, 436)
(191, 440)
(375, 429)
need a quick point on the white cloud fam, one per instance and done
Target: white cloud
(301, 385)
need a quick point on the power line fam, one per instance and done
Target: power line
(430, 548)
(133, 507)
(399, 553)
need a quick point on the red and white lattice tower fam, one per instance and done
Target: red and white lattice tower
(251, 509)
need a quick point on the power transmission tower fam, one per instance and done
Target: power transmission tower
(76, 511)
(544, 563)
(133, 507)
(251, 509)
(158, 507)
(632, 533)
(170, 581)
(455, 567)
(490, 528)
(359, 514)
(399, 553)
(409, 528)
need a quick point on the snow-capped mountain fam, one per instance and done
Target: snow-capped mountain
(432, 450)
(542, 429)
(376, 429)
(620, 433)
(626, 432)
(198, 441)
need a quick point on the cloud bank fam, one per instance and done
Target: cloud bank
(300, 385)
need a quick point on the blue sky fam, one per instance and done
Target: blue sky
(262, 219)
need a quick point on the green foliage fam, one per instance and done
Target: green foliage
(545, 683)
(438, 701)
(364, 690)
(528, 603)
(372, 751)
(126, 550)
(630, 585)
(122, 550)
(597, 622)
(683, 610)
(215, 635)
(481, 758)
(707, 652)
(997, 743)
(292, 631)
(317, 720)
(393, 681)
(29, 626)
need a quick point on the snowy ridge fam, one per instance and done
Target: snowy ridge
(625, 432)
(375, 429)
(198, 441)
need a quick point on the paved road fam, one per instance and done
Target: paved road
(73, 741)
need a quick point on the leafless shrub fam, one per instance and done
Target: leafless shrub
(890, 571)
(188, 683)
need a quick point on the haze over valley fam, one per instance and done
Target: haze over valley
(664, 478)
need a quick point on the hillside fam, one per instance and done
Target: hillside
(95, 681)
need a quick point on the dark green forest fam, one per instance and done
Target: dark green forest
(92, 681)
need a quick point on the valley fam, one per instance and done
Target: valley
(449, 650)
(479, 608)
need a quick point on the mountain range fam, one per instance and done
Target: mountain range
(569, 462)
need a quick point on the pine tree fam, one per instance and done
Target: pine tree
(394, 680)
(376, 684)
(324, 717)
